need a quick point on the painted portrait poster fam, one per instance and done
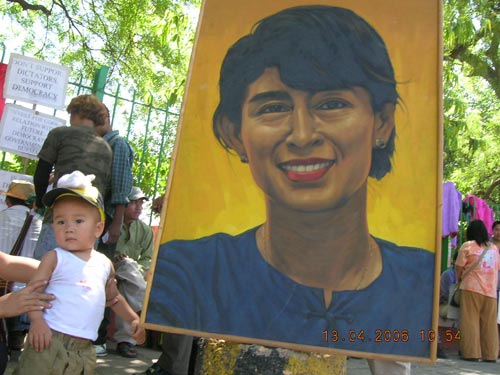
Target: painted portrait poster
(302, 208)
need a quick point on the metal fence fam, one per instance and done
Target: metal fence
(150, 130)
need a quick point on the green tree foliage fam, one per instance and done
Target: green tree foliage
(472, 96)
(146, 45)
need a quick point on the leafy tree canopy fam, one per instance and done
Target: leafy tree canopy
(472, 96)
(146, 44)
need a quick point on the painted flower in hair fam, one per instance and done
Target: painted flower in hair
(75, 180)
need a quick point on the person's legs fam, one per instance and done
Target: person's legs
(132, 286)
(122, 331)
(125, 342)
(469, 325)
(383, 367)
(498, 327)
(176, 351)
(175, 356)
(488, 332)
(102, 334)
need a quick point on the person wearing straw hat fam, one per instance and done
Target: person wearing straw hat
(19, 201)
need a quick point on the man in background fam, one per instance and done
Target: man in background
(133, 258)
(115, 202)
(116, 196)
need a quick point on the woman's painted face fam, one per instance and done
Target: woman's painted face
(308, 150)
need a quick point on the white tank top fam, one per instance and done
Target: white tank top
(79, 287)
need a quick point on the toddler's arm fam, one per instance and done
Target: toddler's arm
(121, 307)
(39, 335)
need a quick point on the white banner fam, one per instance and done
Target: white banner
(5, 179)
(23, 131)
(36, 81)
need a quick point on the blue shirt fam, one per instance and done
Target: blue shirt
(121, 172)
(448, 278)
(221, 285)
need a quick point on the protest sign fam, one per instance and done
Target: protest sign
(23, 131)
(35, 81)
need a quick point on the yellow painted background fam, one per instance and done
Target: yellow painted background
(211, 191)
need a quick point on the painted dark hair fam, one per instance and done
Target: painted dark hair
(476, 231)
(315, 48)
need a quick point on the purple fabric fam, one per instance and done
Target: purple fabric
(481, 211)
(452, 203)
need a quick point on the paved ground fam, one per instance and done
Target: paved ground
(453, 365)
(114, 364)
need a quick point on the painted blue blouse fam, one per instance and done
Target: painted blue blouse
(221, 285)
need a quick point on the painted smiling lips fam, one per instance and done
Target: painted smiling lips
(306, 170)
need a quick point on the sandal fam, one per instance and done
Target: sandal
(126, 349)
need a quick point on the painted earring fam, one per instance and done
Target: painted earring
(243, 158)
(380, 143)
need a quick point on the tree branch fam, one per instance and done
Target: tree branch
(492, 187)
(27, 6)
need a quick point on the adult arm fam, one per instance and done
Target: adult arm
(459, 272)
(41, 180)
(17, 268)
(121, 185)
(116, 223)
(25, 300)
(461, 260)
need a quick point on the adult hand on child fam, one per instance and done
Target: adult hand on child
(25, 300)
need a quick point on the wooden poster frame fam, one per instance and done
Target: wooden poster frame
(408, 198)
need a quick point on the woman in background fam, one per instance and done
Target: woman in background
(478, 299)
